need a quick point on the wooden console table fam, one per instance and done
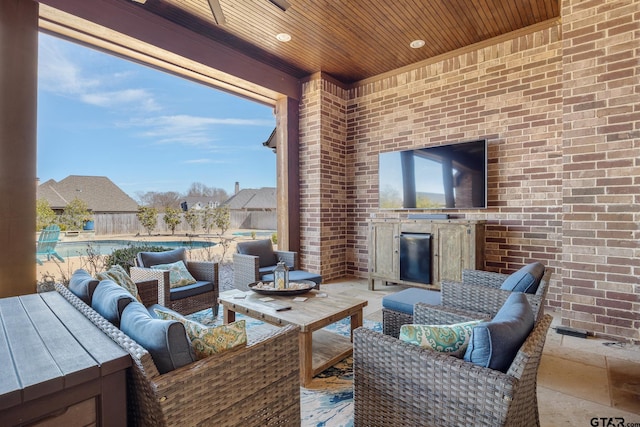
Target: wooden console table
(58, 368)
(455, 245)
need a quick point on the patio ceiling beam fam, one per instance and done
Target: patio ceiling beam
(131, 20)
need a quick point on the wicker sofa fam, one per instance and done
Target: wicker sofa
(400, 384)
(479, 291)
(256, 385)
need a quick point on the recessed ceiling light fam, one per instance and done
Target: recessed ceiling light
(416, 44)
(283, 37)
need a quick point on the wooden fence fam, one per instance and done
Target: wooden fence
(127, 223)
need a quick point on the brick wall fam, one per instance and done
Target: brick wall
(601, 178)
(561, 117)
(323, 189)
(508, 93)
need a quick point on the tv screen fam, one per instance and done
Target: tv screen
(450, 176)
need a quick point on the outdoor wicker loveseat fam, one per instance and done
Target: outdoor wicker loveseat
(254, 385)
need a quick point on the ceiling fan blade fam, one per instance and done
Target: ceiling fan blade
(282, 4)
(218, 16)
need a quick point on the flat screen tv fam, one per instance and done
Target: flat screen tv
(450, 176)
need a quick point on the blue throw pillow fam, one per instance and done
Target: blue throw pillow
(495, 344)
(165, 340)
(110, 300)
(525, 280)
(83, 285)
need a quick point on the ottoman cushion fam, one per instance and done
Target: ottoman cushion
(404, 300)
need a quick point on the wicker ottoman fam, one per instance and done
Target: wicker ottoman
(397, 309)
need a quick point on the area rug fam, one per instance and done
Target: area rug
(328, 400)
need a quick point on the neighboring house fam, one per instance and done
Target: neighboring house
(99, 193)
(198, 202)
(253, 208)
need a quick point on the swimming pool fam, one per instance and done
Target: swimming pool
(106, 247)
(249, 233)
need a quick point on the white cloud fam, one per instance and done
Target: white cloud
(60, 74)
(189, 130)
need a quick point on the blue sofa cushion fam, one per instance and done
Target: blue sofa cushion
(404, 300)
(263, 249)
(165, 340)
(110, 300)
(147, 259)
(186, 291)
(525, 280)
(82, 285)
(495, 344)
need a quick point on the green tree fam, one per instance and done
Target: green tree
(208, 218)
(192, 217)
(222, 218)
(74, 215)
(172, 218)
(148, 217)
(45, 216)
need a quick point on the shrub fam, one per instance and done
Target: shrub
(45, 216)
(126, 257)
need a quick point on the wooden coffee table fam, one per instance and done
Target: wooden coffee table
(319, 349)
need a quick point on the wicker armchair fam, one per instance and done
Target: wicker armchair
(188, 299)
(256, 259)
(246, 268)
(255, 386)
(400, 384)
(479, 291)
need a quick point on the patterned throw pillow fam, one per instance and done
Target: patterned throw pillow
(209, 340)
(119, 275)
(452, 339)
(178, 274)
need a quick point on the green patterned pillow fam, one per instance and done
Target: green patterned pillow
(452, 339)
(119, 275)
(178, 274)
(209, 340)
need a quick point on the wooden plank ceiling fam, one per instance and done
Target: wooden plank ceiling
(352, 40)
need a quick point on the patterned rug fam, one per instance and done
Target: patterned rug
(328, 401)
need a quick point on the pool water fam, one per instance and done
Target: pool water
(249, 233)
(106, 247)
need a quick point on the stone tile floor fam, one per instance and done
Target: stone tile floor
(578, 380)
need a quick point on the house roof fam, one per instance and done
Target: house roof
(250, 198)
(349, 40)
(99, 192)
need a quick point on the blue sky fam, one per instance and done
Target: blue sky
(144, 129)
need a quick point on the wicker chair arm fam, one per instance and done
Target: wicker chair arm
(483, 278)
(140, 274)
(204, 270)
(250, 386)
(148, 292)
(397, 383)
(427, 314)
(245, 270)
(289, 258)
